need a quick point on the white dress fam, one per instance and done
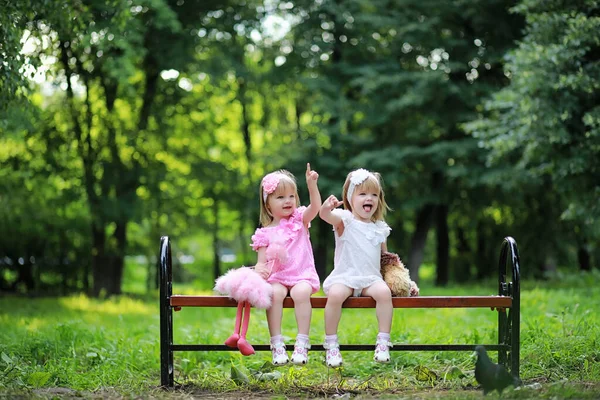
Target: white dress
(357, 257)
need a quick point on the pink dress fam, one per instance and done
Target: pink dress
(293, 235)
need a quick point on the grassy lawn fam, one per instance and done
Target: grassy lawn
(81, 347)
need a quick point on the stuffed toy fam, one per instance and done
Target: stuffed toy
(248, 288)
(396, 276)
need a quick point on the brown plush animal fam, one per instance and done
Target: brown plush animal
(396, 276)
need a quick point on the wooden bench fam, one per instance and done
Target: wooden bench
(506, 303)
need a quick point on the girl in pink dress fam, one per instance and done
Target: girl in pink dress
(285, 257)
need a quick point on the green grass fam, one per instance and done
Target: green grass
(109, 348)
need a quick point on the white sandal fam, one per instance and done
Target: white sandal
(279, 354)
(382, 351)
(300, 355)
(333, 357)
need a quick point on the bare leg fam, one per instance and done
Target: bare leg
(336, 295)
(302, 307)
(384, 309)
(275, 313)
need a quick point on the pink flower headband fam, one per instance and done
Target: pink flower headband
(356, 178)
(270, 183)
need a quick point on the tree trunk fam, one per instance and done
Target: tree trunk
(102, 267)
(584, 259)
(484, 269)
(119, 258)
(108, 267)
(25, 275)
(3, 282)
(108, 270)
(65, 273)
(66, 284)
(461, 265)
(100, 271)
(443, 244)
(85, 276)
(419, 238)
(98, 262)
(247, 138)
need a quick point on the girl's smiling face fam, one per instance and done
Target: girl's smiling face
(282, 202)
(365, 201)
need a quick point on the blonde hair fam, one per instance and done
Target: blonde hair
(374, 183)
(286, 180)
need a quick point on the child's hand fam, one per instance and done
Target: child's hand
(315, 196)
(328, 216)
(332, 202)
(263, 270)
(311, 175)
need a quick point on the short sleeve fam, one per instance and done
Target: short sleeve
(345, 215)
(259, 239)
(384, 228)
(298, 214)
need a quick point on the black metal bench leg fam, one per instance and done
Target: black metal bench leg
(515, 331)
(513, 289)
(503, 321)
(166, 314)
(502, 336)
(509, 327)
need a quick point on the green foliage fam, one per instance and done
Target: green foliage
(121, 158)
(545, 123)
(238, 376)
(89, 346)
(44, 219)
(16, 23)
(401, 78)
(160, 117)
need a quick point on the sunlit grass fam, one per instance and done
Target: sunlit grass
(90, 345)
(114, 306)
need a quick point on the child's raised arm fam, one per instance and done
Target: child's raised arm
(315, 197)
(326, 211)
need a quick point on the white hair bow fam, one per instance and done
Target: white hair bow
(356, 178)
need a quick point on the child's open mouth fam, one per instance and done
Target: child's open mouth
(367, 207)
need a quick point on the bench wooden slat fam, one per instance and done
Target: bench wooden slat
(362, 302)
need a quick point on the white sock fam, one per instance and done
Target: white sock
(331, 339)
(383, 336)
(302, 339)
(276, 339)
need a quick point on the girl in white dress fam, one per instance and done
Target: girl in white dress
(360, 236)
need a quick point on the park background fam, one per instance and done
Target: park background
(122, 121)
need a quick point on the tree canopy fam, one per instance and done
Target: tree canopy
(124, 121)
